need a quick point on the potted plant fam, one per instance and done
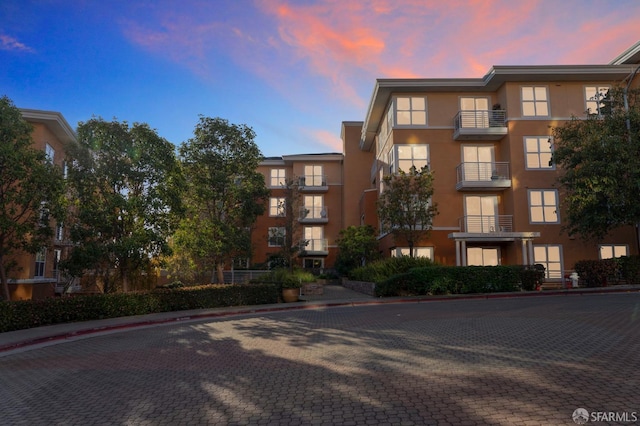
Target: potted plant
(291, 291)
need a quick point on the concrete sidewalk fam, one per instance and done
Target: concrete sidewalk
(333, 296)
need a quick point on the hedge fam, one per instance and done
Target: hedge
(597, 273)
(17, 315)
(439, 279)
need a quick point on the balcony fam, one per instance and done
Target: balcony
(483, 176)
(480, 125)
(486, 224)
(313, 214)
(314, 247)
(313, 183)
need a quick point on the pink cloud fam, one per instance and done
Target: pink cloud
(12, 44)
(325, 138)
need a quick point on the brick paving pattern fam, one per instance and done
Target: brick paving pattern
(512, 361)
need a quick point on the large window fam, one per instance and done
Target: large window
(549, 256)
(537, 153)
(313, 176)
(314, 207)
(403, 157)
(278, 178)
(41, 257)
(535, 101)
(610, 251)
(417, 252)
(276, 206)
(543, 206)
(483, 256)
(594, 97)
(277, 236)
(411, 111)
(50, 152)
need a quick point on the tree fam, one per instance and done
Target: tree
(600, 163)
(31, 190)
(292, 242)
(125, 186)
(225, 193)
(357, 245)
(405, 208)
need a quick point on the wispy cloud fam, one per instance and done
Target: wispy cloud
(12, 44)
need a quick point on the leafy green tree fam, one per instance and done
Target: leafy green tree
(126, 191)
(405, 207)
(225, 193)
(31, 190)
(292, 239)
(600, 162)
(357, 245)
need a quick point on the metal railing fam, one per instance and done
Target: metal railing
(482, 171)
(308, 181)
(486, 224)
(316, 245)
(314, 213)
(480, 119)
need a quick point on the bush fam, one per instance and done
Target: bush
(35, 313)
(452, 280)
(381, 270)
(286, 278)
(596, 273)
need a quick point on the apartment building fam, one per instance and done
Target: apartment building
(488, 141)
(36, 275)
(313, 186)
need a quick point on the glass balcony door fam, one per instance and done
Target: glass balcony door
(478, 162)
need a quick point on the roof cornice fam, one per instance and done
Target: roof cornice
(630, 56)
(53, 120)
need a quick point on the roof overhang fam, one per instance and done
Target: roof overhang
(495, 78)
(629, 56)
(54, 121)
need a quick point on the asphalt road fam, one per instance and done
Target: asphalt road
(504, 361)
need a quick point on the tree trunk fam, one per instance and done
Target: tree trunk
(3, 279)
(220, 271)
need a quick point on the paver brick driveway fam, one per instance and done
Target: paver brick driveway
(496, 361)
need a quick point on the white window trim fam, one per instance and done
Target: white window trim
(272, 177)
(547, 100)
(586, 100)
(612, 247)
(557, 206)
(410, 126)
(546, 263)
(392, 156)
(524, 144)
(282, 208)
(397, 251)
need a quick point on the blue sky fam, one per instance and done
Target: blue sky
(292, 70)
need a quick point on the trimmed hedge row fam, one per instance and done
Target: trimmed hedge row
(439, 279)
(383, 269)
(19, 315)
(596, 273)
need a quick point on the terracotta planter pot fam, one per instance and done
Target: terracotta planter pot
(290, 294)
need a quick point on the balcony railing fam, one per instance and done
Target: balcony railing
(313, 183)
(486, 224)
(480, 125)
(483, 175)
(314, 246)
(318, 214)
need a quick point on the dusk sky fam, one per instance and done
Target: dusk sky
(291, 70)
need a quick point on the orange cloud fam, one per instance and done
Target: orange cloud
(325, 138)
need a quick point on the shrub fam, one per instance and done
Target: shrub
(381, 270)
(286, 278)
(596, 273)
(18, 315)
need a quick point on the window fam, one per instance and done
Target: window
(41, 257)
(610, 251)
(276, 206)
(543, 206)
(411, 111)
(483, 256)
(549, 256)
(60, 232)
(535, 101)
(50, 152)
(313, 176)
(594, 97)
(277, 236)
(57, 255)
(537, 153)
(313, 263)
(417, 252)
(403, 157)
(314, 239)
(278, 178)
(314, 207)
